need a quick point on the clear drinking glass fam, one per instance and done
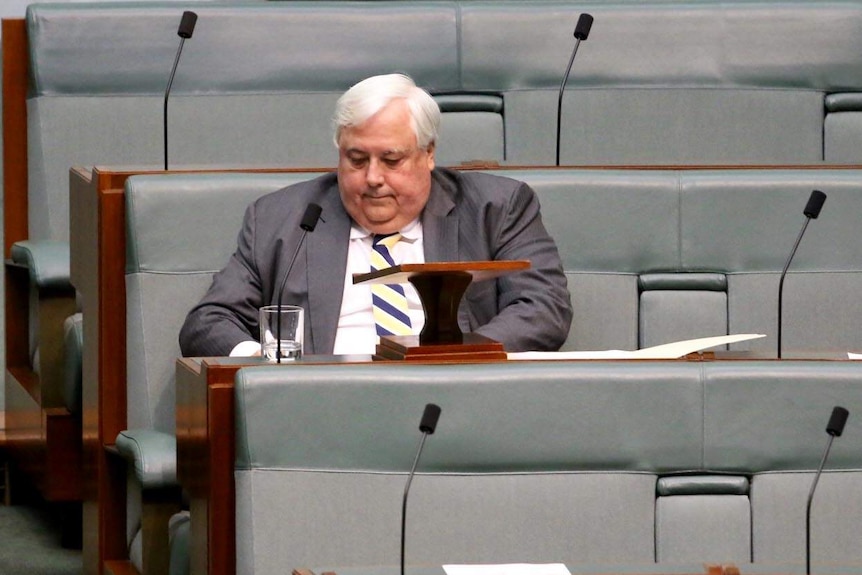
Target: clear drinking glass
(291, 318)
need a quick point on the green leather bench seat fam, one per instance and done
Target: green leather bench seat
(631, 463)
(767, 420)
(682, 83)
(519, 470)
(180, 230)
(657, 256)
(650, 256)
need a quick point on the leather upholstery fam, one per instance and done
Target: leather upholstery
(47, 261)
(711, 83)
(626, 463)
(719, 238)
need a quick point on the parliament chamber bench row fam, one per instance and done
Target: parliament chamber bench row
(607, 467)
(80, 78)
(688, 84)
(701, 83)
(651, 256)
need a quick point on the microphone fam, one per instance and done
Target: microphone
(308, 223)
(187, 27)
(582, 30)
(811, 211)
(834, 428)
(427, 426)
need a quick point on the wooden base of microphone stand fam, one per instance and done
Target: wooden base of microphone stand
(440, 287)
(472, 347)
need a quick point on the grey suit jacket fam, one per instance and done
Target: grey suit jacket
(470, 216)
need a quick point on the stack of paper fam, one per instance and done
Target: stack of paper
(673, 350)
(508, 569)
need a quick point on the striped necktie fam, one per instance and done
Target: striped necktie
(389, 301)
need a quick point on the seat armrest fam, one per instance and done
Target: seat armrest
(154, 455)
(47, 260)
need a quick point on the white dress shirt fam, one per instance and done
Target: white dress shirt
(356, 333)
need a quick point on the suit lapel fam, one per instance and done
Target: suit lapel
(440, 225)
(327, 262)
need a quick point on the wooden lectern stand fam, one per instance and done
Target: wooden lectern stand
(441, 286)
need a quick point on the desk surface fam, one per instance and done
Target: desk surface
(721, 355)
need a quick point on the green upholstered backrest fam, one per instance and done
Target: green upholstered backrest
(373, 409)
(181, 229)
(624, 463)
(666, 416)
(680, 83)
(651, 256)
(520, 467)
(658, 255)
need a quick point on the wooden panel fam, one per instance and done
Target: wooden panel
(205, 456)
(62, 479)
(222, 517)
(97, 221)
(15, 84)
(111, 388)
(25, 442)
(16, 318)
(119, 568)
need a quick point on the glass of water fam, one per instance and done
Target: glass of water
(287, 322)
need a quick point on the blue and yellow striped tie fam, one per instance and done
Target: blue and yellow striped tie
(389, 301)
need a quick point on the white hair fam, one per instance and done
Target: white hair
(371, 95)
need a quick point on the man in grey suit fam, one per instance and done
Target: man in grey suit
(386, 183)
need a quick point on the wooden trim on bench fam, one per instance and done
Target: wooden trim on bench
(15, 181)
(98, 256)
(15, 85)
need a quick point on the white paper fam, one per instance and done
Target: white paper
(508, 569)
(851, 355)
(673, 350)
(606, 354)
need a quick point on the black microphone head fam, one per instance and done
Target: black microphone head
(835, 427)
(582, 29)
(429, 419)
(310, 217)
(187, 24)
(815, 204)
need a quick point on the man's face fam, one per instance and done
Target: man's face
(384, 179)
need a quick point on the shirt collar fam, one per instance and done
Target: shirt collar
(411, 232)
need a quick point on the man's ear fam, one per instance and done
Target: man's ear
(431, 149)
